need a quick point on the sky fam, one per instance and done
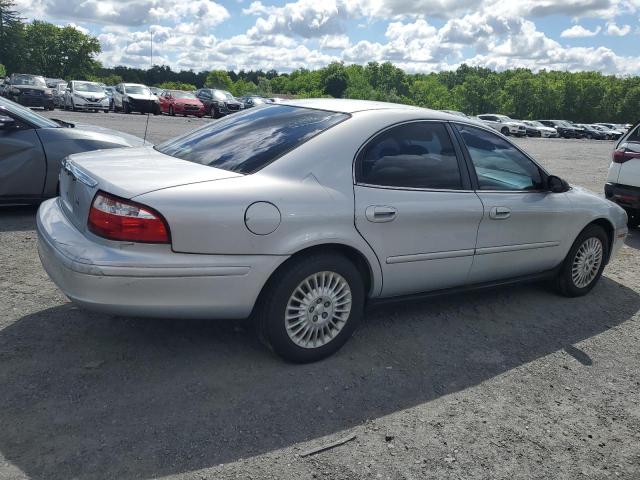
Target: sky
(416, 35)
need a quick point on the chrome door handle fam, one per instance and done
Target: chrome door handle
(499, 213)
(380, 213)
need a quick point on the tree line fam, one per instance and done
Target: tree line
(65, 52)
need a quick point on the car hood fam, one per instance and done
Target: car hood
(96, 131)
(129, 172)
(29, 87)
(515, 124)
(90, 94)
(188, 101)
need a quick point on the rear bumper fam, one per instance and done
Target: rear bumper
(147, 280)
(626, 196)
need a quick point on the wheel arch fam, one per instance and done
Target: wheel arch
(358, 258)
(609, 229)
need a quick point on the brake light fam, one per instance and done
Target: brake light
(622, 155)
(116, 218)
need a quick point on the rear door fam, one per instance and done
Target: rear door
(22, 162)
(414, 205)
(523, 227)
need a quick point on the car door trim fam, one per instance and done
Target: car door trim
(419, 257)
(516, 248)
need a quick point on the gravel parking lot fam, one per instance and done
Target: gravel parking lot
(515, 382)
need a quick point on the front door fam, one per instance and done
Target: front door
(415, 207)
(523, 227)
(22, 162)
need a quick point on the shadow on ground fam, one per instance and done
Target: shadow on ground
(633, 238)
(18, 218)
(89, 396)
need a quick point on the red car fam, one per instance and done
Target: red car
(181, 103)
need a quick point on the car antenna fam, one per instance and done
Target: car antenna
(146, 127)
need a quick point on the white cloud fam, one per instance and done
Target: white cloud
(578, 31)
(615, 30)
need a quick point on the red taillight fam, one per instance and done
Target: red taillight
(622, 155)
(116, 218)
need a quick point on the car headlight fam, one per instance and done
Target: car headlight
(15, 91)
(48, 91)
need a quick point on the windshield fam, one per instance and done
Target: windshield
(246, 142)
(179, 94)
(87, 87)
(504, 118)
(26, 114)
(534, 123)
(222, 95)
(137, 89)
(28, 80)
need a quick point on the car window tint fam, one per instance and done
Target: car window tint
(413, 155)
(245, 142)
(634, 136)
(498, 164)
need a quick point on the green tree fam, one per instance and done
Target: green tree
(176, 86)
(63, 52)
(3, 71)
(218, 79)
(334, 79)
(11, 36)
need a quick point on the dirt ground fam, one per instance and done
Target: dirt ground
(508, 383)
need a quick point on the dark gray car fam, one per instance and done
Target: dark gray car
(32, 148)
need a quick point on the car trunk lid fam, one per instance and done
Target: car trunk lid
(126, 173)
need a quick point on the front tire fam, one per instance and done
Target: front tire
(311, 307)
(126, 108)
(583, 266)
(505, 131)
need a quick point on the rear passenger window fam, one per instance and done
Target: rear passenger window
(413, 155)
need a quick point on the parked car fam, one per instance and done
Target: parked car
(4, 84)
(53, 82)
(134, 97)
(623, 179)
(564, 128)
(32, 148)
(531, 131)
(109, 93)
(545, 132)
(611, 133)
(504, 124)
(181, 103)
(59, 94)
(457, 113)
(81, 95)
(580, 132)
(30, 91)
(613, 127)
(592, 133)
(228, 220)
(253, 100)
(218, 103)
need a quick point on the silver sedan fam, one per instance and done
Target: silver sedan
(302, 213)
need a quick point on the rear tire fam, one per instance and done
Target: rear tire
(311, 307)
(583, 266)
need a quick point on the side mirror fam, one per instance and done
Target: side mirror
(556, 184)
(7, 123)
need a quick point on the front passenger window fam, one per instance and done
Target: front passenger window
(498, 164)
(412, 155)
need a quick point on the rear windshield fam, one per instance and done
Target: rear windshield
(245, 142)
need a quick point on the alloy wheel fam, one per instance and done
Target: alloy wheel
(318, 309)
(586, 263)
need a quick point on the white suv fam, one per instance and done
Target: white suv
(623, 181)
(503, 124)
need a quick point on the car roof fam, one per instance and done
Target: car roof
(343, 105)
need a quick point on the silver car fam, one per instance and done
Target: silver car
(300, 213)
